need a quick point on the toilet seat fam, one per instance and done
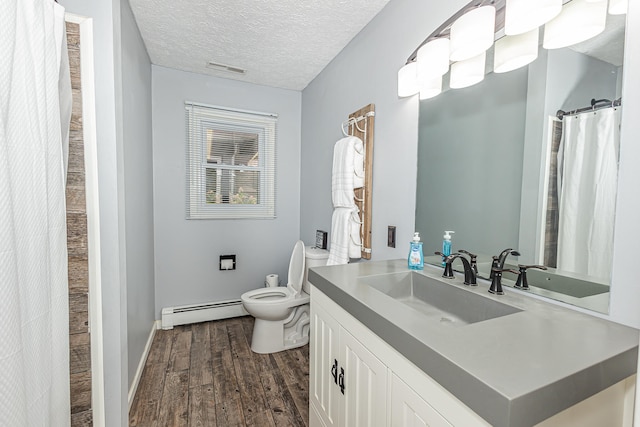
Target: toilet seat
(271, 296)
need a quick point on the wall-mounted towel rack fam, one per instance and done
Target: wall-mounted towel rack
(361, 124)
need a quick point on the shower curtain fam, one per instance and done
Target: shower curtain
(34, 319)
(587, 180)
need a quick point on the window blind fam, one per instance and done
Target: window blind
(231, 160)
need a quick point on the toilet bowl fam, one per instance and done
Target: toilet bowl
(282, 313)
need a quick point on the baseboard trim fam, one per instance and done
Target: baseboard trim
(143, 361)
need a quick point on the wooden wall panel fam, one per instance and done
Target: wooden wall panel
(79, 338)
(363, 195)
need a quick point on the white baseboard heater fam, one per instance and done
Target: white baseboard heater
(194, 313)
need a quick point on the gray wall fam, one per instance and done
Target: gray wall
(366, 72)
(470, 164)
(108, 100)
(187, 251)
(138, 176)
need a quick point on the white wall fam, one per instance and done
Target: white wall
(625, 294)
(366, 71)
(108, 94)
(138, 176)
(187, 251)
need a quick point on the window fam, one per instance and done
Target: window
(230, 163)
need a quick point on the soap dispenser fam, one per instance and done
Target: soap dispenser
(446, 245)
(416, 257)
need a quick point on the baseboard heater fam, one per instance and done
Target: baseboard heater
(194, 313)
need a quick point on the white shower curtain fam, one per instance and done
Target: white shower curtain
(34, 319)
(588, 181)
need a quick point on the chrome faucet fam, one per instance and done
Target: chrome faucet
(469, 274)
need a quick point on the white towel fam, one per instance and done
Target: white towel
(355, 245)
(358, 164)
(340, 236)
(343, 176)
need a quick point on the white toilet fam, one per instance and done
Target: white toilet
(282, 313)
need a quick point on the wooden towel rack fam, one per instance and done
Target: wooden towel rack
(361, 124)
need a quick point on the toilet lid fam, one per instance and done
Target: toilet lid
(296, 268)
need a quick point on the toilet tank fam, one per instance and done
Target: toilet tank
(313, 257)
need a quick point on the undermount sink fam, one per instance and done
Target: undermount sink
(437, 301)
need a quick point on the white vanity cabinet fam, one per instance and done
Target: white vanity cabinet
(383, 388)
(347, 384)
(409, 409)
(373, 393)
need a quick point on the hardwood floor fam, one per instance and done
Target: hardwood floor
(205, 374)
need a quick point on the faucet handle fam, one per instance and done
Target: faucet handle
(522, 282)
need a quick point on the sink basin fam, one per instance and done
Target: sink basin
(438, 301)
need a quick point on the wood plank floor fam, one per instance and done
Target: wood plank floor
(205, 374)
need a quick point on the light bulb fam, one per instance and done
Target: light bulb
(473, 33)
(579, 21)
(408, 80)
(522, 16)
(512, 52)
(468, 72)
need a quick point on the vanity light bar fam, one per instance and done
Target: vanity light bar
(567, 22)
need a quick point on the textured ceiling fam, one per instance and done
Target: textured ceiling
(281, 43)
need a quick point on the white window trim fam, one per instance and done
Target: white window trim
(264, 124)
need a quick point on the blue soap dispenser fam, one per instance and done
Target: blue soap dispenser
(446, 245)
(416, 257)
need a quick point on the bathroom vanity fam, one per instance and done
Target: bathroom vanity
(391, 347)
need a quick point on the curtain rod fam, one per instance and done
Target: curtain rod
(604, 103)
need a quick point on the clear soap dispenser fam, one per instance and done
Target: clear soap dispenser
(416, 257)
(446, 245)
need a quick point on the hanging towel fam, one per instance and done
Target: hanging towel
(358, 164)
(340, 236)
(355, 245)
(343, 176)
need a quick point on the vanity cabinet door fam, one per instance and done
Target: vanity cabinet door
(408, 409)
(324, 393)
(364, 384)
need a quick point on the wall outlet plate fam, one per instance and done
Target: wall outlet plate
(391, 236)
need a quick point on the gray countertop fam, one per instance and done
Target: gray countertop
(515, 370)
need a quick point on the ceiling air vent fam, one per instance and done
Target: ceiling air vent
(223, 67)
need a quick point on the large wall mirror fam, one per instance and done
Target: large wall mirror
(497, 165)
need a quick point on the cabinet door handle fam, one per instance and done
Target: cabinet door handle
(334, 371)
(341, 380)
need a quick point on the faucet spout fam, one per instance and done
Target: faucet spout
(469, 274)
(503, 256)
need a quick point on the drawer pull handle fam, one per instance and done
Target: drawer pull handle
(334, 371)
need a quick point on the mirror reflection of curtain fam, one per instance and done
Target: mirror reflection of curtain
(551, 223)
(587, 185)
